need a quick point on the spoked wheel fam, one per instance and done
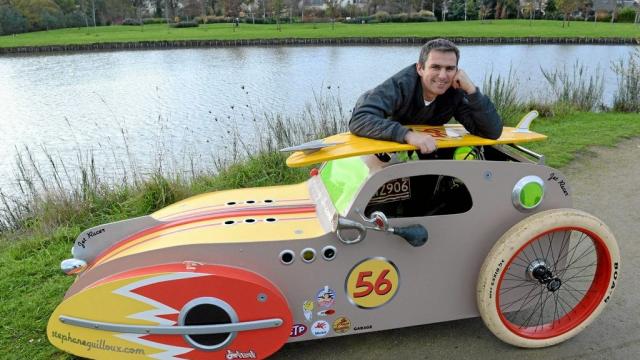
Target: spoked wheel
(548, 277)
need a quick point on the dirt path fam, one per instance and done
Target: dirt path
(606, 183)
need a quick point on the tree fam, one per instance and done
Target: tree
(332, 8)
(251, 7)
(528, 9)
(277, 9)
(456, 10)
(567, 7)
(471, 9)
(484, 9)
(11, 21)
(551, 7)
(40, 14)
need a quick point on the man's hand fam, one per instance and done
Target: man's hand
(424, 142)
(462, 81)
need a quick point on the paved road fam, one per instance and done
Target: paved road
(597, 179)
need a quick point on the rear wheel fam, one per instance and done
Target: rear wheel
(548, 277)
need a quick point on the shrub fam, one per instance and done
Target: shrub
(50, 19)
(213, 19)
(132, 22)
(426, 13)
(627, 15)
(75, 19)
(382, 16)
(185, 24)
(147, 21)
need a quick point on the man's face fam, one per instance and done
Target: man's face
(437, 73)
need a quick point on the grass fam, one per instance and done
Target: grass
(157, 32)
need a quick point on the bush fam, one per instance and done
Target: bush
(11, 21)
(213, 19)
(132, 22)
(382, 16)
(148, 21)
(426, 14)
(50, 19)
(626, 15)
(75, 19)
(185, 24)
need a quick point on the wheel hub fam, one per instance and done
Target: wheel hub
(540, 271)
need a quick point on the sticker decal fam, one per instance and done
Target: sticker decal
(298, 330)
(372, 283)
(561, 183)
(320, 328)
(326, 297)
(326, 312)
(364, 327)
(240, 355)
(307, 309)
(435, 133)
(341, 325)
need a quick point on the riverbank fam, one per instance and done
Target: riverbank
(212, 35)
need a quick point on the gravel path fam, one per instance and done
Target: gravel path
(596, 177)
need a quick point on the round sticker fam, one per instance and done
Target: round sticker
(372, 283)
(298, 330)
(341, 325)
(320, 328)
(326, 297)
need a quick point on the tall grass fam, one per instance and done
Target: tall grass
(53, 193)
(574, 87)
(503, 92)
(627, 96)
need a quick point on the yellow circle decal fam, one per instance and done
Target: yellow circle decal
(372, 283)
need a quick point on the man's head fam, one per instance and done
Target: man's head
(437, 67)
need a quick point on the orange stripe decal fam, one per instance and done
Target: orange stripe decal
(129, 241)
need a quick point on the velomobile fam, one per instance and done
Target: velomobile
(367, 243)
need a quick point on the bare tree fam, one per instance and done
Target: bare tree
(332, 7)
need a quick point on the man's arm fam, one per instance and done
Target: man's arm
(370, 115)
(476, 112)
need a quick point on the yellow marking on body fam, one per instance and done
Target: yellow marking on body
(100, 303)
(287, 227)
(279, 195)
(352, 145)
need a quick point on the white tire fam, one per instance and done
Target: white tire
(548, 277)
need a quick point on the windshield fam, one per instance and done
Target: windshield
(343, 178)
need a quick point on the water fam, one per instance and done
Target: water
(173, 105)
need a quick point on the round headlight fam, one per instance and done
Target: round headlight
(528, 193)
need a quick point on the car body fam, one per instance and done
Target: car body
(299, 262)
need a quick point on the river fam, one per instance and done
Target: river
(144, 107)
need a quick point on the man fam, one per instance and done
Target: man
(428, 93)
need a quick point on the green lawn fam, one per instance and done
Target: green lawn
(496, 28)
(31, 284)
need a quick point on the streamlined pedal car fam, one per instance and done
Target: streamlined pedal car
(367, 243)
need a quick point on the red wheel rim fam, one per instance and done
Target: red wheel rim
(526, 316)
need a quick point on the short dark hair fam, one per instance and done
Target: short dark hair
(442, 45)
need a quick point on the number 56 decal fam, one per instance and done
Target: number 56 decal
(372, 283)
